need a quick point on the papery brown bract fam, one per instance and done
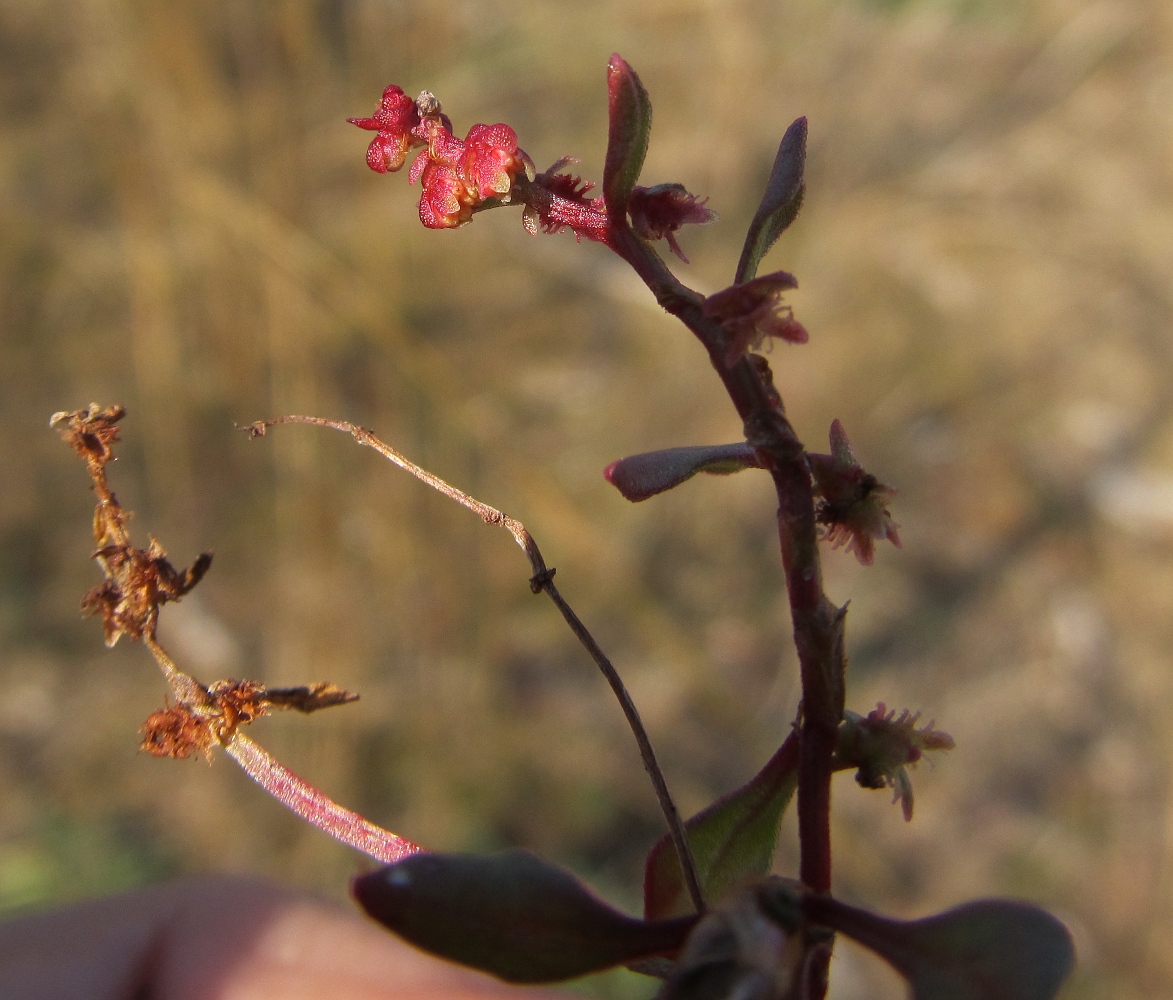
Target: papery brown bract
(137, 582)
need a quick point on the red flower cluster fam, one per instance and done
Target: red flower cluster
(457, 175)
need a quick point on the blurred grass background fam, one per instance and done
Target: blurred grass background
(986, 262)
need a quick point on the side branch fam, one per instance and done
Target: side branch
(541, 579)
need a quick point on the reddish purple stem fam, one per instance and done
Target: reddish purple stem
(817, 623)
(310, 804)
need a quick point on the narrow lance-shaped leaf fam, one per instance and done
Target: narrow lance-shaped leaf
(732, 840)
(641, 476)
(629, 128)
(989, 949)
(512, 915)
(780, 203)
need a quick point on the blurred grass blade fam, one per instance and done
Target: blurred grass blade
(512, 915)
(732, 840)
(641, 476)
(989, 949)
(780, 203)
(629, 129)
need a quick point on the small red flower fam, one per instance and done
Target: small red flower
(658, 212)
(446, 201)
(853, 504)
(754, 312)
(443, 146)
(491, 160)
(393, 121)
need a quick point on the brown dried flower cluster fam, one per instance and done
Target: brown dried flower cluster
(137, 583)
(184, 729)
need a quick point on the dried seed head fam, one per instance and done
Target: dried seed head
(427, 103)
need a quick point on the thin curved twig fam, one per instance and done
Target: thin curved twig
(541, 579)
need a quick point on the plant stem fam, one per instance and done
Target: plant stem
(298, 795)
(817, 623)
(647, 754)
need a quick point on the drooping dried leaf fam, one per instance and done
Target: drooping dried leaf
(779, 204)
(512, 915)
(641, 476)
(628, 132)
(732, 840)
(988, 949)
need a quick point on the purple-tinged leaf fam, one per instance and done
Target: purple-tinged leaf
(628, 132)
(732, 840)
(641, 476)
(780, 203)
(989, 949)
(512, 915)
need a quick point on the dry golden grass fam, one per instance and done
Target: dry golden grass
(986, 259)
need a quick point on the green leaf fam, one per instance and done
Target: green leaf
(780, 203)
(732, 840)
(989, 949)
(512, 915)
(641, 476)
(628, 132)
